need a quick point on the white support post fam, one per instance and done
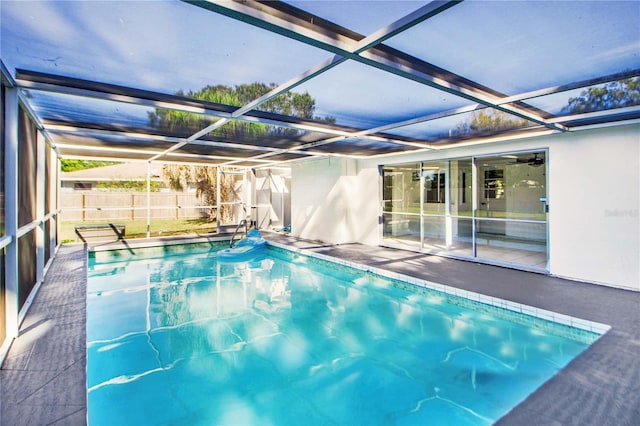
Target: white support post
(58, 222)
(421, 218)
(218, 196)
(474, 206)
(148, 199)
(11, 210)
(248, 192)
(448, 223)
(40, 207)
(54, 190)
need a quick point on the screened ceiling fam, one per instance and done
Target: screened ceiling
(258, 83)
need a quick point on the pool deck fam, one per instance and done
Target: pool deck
(42, 381)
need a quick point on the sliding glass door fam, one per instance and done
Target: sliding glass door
(511, 223)
(490, 208)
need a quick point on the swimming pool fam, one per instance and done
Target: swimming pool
(175, 337)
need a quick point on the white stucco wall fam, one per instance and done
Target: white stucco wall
(593, 194)
(321, 193)
(594, 198)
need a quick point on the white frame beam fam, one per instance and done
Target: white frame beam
(11, 110)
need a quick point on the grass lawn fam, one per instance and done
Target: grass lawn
(138, 228)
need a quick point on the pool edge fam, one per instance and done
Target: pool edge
(544, 314)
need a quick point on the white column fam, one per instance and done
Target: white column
(421, 217)
(447, 206)
(40, 207)
(148, 199)
(11, 209)
(54, 188)
(474, 204)
(218, 195)
(58, 222)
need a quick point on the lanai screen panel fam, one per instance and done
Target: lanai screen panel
(27, 188)
(48, 177)
(361, 147)
(520, 46)
(351, 14)
(476, 123)
(259, 134)
(99, 140)
(614, 98)
(27, 251)
(3, 329)
(93, 113)
(163, 46)
(27, 148)
(2, 144)
(81, 109)
(353, 94)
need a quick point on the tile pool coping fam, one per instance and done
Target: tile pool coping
(582, 324)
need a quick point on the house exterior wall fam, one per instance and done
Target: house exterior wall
(321, 200)
(594, 193)
(593, 196)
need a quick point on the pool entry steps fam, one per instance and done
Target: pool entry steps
(248, 247)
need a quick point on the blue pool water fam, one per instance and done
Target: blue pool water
(288, 340)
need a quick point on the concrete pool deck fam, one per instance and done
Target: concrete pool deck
(42, 381)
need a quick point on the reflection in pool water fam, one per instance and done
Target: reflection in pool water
(283, 340)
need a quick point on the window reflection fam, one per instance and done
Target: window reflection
(461, 187)
(434, 184)
(401, 188)
(512, 186)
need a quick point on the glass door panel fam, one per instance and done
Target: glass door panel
(512, 186)
(434, 233)
(401, 203)
(526, 192)
(491, 195)
(434, 194)
(460, 237)
(510, 221)
(402, 228)
(401, 188)
(461, 187)
(461, 240)
(523, 244)
(434, 205)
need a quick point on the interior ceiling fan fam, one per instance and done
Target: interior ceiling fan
(532, 161)
(535, 160)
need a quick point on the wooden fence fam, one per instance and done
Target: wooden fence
(94, 205)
